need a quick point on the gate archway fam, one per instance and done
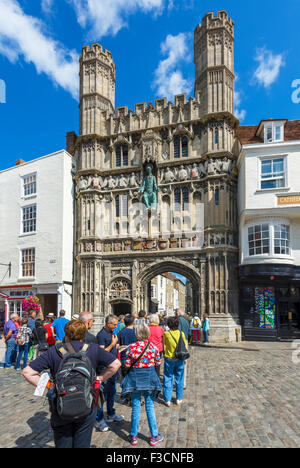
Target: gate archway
(168, 265)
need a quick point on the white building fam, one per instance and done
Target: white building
(269, 228)
(36, 235)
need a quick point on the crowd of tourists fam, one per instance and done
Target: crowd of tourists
(85, 368)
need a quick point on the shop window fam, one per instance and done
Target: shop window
(259, 307)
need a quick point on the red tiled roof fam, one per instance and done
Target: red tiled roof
(247, 133)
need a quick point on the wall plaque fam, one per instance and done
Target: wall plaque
(288, 200)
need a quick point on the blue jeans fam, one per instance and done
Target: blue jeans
(136, 409)
(109, 398)
(205, 334)
(173, 369)
(10, 355)
(22, 349)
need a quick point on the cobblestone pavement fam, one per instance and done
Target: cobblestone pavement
(237, 396)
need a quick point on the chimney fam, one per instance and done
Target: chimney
(19, 162)
(71, 138)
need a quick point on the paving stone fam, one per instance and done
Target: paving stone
(246, 397)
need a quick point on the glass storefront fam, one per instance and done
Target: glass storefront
(271, 308)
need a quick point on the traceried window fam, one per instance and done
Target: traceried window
(29, 185)
(28, 263)
(121, 206)
(181, 197)
(181, 148)
(122, 156)
(272, 173)
(29, 219)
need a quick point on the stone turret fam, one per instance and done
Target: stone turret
(214, 71)
(97, 89)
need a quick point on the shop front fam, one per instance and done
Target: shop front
(270, 302)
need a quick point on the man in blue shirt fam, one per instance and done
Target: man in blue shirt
(126, 337)
(58, 326)
(109, 341)
(32, 320)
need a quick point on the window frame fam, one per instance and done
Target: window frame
(32, 262)
(271, 127)
(122, 155)
(272, 223)
(273, 177)
(180, 150)
(24, 178)
(30, 220)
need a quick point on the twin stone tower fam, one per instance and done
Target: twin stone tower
(189, 147)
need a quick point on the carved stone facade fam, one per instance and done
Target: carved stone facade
(189, 145)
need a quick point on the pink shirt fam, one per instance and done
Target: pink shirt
(156, 336)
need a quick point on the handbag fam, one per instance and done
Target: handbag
(181, 351)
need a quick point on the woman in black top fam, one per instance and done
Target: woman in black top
(40, 336)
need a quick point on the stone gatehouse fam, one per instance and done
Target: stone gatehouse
(188, 145)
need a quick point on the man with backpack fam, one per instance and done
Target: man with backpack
(77, 370)
(196, 328)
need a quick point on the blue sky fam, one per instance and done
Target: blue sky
(152, 45)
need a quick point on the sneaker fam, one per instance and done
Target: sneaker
(133, 440)
(167, 403)
(178, 402)
(115, 418)
(102, 426)
(155, 440)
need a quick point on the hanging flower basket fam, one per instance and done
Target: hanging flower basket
(31, 304)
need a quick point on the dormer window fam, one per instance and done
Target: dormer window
(273, 132)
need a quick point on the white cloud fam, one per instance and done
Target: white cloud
(23, 36)
(47, 5)
(105, 17)
(239, 113)
(269, 67)
(168, 78)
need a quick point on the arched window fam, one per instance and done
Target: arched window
(181, 148)
(217, 196)
(117, 206)
(181, 198)
(122, 156)
(185, 197)
(177, 198)
(216, 136)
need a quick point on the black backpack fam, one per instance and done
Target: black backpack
(181, 351)
(74, 383)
